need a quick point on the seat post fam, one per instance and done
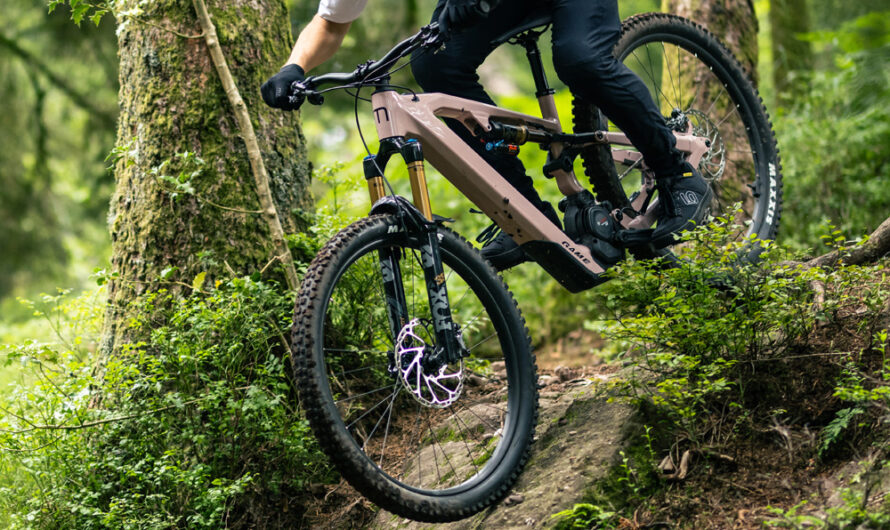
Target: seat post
(529, 41)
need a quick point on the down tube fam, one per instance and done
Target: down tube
(414, 117)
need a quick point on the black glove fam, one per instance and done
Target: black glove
(461, 14)
(277, 90)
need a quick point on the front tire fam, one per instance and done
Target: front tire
(429, 462)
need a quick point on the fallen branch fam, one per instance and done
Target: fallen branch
(258, 167)
(878, 245)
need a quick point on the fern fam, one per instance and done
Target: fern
(835, 429)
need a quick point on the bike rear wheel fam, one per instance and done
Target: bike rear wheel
(687, 69)
(436, 446)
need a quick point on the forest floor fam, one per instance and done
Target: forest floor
(771, 476)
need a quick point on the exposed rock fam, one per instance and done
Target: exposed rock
(577, 440)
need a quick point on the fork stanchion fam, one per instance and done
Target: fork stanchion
(374, 178)
(413, 155)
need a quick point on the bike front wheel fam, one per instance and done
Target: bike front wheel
(697, 83)
(429, 444)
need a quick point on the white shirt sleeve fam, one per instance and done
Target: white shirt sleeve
(341, 11)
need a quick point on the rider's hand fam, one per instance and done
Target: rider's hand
(461, 14)
(277, 90)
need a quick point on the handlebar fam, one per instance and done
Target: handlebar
(428, 36)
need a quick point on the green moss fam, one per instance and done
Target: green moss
(172, 101)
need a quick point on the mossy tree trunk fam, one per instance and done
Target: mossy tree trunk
(171, 216)
(732, 21)
(789, 18)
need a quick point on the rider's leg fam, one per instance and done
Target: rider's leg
(584, 34)
(452, 70)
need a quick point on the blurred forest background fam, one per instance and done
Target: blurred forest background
(822, 71)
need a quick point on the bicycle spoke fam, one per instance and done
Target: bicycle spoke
(436, 442)
(377, 425)
(370, 410)
(667, 67)
(711, 108)
(730, 113)
(466, 445)
(477, 374)
(338, 401)
(486, 339)
(386, 430)
(655, 83)
(480, 418)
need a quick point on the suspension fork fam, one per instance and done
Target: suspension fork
(449, 347)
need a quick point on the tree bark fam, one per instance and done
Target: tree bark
(787, 19)
(732, 21)
(172, 101)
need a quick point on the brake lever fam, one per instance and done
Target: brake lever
(300, 90)
(432, 37)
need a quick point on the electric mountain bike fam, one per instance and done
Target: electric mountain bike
(411, 356)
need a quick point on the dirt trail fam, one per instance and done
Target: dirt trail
(577, 440)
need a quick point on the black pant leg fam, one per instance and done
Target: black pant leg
(584, 34)
(452, 71)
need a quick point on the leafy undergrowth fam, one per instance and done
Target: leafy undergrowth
(198, 427)
(766, 390)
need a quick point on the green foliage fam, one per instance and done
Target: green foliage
(585, 515)
(857, 510)
(698, 327)
(790, 518)
(630, 484)
(836, 141)
(836, 428)
(81, 9)
(198, 427)
(52, 141)
(190, 167)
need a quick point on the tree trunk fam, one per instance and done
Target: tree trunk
(787, 19)
(732, 21)
(172, 217)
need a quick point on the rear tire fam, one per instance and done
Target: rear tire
(684, 66)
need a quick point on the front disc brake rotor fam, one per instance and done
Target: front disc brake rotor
(437, 389)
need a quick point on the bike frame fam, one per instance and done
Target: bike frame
(403, 117)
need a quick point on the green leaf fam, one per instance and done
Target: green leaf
(198, 282)
(168, 272)
(96, 17)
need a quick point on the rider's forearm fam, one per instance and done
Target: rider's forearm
(317, 42)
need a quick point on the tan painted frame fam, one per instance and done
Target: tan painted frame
(418, 117)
